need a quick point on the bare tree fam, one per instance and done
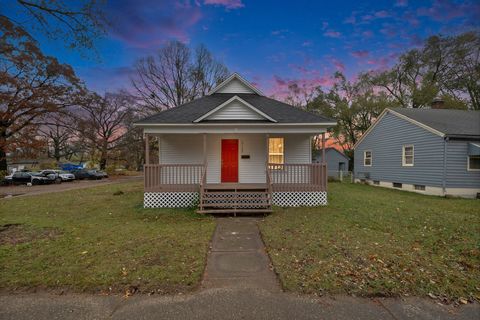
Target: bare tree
(59, 134)
(100, 122)
(175, 76)
(32, 85)
(77, 23)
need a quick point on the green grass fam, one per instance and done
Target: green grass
(91, 240)
(378, 242)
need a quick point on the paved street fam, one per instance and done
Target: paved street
(23, 190)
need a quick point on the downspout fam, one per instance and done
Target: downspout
(444, 182)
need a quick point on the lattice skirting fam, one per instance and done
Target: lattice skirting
(169, 199)
(297, 199)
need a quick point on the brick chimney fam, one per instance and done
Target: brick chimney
(438, 103)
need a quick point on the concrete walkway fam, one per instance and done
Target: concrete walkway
(237, 257)
(238, 284)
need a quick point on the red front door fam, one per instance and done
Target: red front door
(229, 160)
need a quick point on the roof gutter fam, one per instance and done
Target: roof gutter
(277, 124)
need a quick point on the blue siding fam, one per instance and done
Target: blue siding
(385, 141)
(457, 174)
(333, 160)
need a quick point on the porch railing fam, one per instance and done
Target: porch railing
(298, 177)
(173, 177)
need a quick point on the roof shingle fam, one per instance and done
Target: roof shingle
(451, 122)
(189, 112)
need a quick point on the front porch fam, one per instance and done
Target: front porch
(258, 186)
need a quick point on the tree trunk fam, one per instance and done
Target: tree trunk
(103, 156)
(3, 158)
(3, 151)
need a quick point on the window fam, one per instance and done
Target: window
(276, 150)
(407, 156)
(473, 163)
(397, 185)
(367, 158)
(419, 187)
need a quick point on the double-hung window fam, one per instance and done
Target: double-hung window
(276, 151)
(407, 156)
(367, 158)
(473, 163)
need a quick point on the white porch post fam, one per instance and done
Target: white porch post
(204, 149)
(267, 137)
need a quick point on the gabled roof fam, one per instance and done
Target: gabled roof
(450, 122)
(228, 102)
(277, 110)
(442, 122)
(233, 77)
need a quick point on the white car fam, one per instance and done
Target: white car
(63, 175)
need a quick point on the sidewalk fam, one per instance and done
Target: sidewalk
(214, 304)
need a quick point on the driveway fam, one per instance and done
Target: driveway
(23, 190)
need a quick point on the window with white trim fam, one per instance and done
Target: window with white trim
(367, 158)
(276, 148)
(473, 163)
(407, 156)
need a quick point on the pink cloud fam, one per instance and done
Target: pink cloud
(379, 64)
(444, 10)
(389, 30)
(338, 65)
(307, 43)
(152, 22)
(332, 34)
(382, 14)
(360, 53)
(367, 34)
(229, 4)
(281, 87)
(401, 3)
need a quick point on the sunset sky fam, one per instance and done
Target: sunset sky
(271, 43)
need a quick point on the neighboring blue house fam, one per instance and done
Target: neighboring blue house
(431, 151)
(336, 161)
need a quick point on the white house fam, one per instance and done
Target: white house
(234, 150)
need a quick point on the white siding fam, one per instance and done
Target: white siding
(181, 149)
(298, 148)
(235, 86)
(235, 110)
(188, 149)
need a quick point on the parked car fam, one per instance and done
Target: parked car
(52, 175)
(7, 180)
(63, 175)
(103, 173)
(87, 174)
(29, 177)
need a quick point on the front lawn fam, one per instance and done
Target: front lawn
(373, 241)
(100, 239)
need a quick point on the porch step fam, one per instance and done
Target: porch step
(235, 211)
(235, 199)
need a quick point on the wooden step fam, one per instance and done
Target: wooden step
(223, 193)
(237, 205)
(253, 210)
(234, 198)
